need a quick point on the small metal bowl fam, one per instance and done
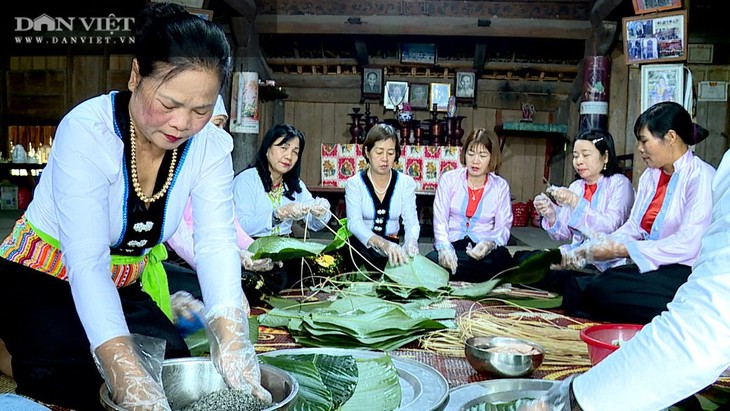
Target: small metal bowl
(502, 364)
(186, 380)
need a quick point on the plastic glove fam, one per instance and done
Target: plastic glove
(544, 207)
(292, 211)
(482, 248)
(395, 254)
(320, 207)
(232, 352)
(558, 398)
(571, 259)
(447, 259)
(410, 247)
(187, 313)
(131, 366)
(249, 264)
(605, 249)
(563, 196)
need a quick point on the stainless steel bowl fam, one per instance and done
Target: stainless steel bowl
(502, 364)
(186, 380)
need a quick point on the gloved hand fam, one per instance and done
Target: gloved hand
(249, 264)
(571, 259)
(232, 352)
(319, 207)
(558, 398)
(480, 250)
(187, 313)
(131, 366)
(447, 259)
(605, 248)
(410, 247)
(291, 211)
(395, 254)
(544, 207)
(563, 196)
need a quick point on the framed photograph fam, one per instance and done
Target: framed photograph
(661, 82)
(651, 6)
(396, 93)
(661, 37)
(419, 96)
(202, 13)
(372, 82)
(465, 84)
(439, 97)
(418, 53)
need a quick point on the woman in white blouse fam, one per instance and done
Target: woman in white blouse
(269, 196)
(376, 199)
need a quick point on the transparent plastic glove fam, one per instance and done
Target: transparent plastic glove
(482, 248)
(410, 247)
(131, 366)
(249, 264)
(232, 352)
(187, 313)
(319, 207)
(571, 259)
(292, 211)
(558, 398)
(396, 255)
(605, 249)
(544, 207)
(563, 196)
(447, 259)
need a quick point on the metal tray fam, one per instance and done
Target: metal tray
(422, 387)
(503, 390)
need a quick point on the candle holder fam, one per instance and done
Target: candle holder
(370, 121)
(356, 129)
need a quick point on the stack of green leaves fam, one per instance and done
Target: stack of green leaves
(354, 322)
(340, 382)
(500, 406)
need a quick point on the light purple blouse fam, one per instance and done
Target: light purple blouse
(685, 215)
(608, 210)
(492, 219)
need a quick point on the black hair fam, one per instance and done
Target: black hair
(668, 115)
(603, 140)
(291, 178)
(166, 34)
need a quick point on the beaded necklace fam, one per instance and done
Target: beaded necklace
(135, 180)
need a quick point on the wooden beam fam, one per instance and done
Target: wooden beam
(361, 51)
(450, 64)
(245, 8)
(424, 26)
(601, 9)
(480, 57)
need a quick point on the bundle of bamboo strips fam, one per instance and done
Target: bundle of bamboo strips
(563, 346)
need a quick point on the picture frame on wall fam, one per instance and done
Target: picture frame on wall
(372, 82)
(439, 96)
(419, 94)
(653, 6)
(659, 37)
(396, 93)
(661, 82)
(465, 84)
(418, 53)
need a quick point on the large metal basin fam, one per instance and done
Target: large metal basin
(186, 380)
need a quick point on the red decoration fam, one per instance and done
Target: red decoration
(25, 195)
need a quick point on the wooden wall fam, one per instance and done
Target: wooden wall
(322, 114)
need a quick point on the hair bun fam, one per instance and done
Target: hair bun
(155, 12)
(699, 133)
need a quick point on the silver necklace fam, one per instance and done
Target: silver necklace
(370, 176)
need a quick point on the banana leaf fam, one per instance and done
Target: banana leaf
(325, 381)
(340, 239)
(284, 248)
(378, 386)
(419, 273)
(475, 291)
(198, 345)
(500, 406)
(533, 268)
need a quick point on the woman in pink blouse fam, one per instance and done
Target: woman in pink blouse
(472, 213)
(645, 261)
